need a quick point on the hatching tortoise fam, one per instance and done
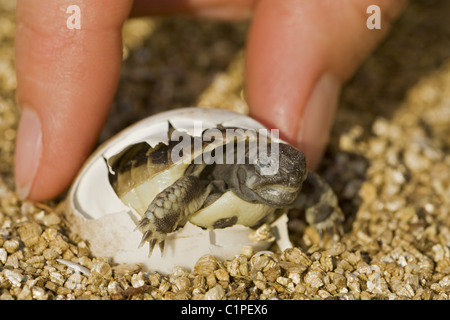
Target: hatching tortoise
(191, 178)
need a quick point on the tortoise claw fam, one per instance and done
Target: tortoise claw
(147, 235)
(142, 224)
(151, 235)
(161, 246)
(151, 246)
(331, 225)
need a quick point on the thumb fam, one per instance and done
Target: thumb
(66, 82)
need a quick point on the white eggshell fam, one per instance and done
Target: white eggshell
(99, 216)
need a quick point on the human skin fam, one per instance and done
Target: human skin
(298, 55)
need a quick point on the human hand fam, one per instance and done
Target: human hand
(298, 55)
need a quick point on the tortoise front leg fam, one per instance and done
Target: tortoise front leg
(171, 208)
(320, 205)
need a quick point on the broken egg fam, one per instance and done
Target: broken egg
(107, 216)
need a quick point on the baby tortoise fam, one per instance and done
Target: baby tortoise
(168, 192)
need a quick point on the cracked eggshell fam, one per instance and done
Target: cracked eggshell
(99, 216)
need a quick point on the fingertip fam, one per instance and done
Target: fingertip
(66, 81)
(281, 69)
(49, 152)
(298, 55)
(28, 151)
(317, 120)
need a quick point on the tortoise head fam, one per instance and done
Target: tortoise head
(275, 180)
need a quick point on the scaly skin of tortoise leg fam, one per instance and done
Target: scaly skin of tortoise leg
(321, 206)
(170, 208)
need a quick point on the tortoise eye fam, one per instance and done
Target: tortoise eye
(264, 164)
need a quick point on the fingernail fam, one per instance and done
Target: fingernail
(28, 151)
(315, 124)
